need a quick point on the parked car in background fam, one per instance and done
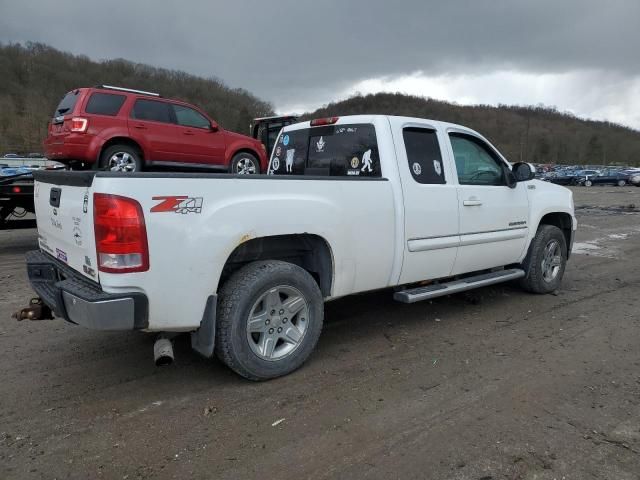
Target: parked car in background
(559, 178)
(607, 177)
(127, 130)
(634, 178)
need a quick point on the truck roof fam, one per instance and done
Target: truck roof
(347, 119)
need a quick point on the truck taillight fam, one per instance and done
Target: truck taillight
(324, 121)
(121, 235)
(79, 124)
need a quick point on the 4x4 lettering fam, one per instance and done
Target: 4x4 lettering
(168, 204)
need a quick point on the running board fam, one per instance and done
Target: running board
(438, 290)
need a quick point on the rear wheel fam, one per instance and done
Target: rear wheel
(269, 319)
(588, 183)
(121, 158)
(244, 163)
(546, 260)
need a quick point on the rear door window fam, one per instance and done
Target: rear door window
(424, 156)
(188, 117)
(334, 150)
(152, 110)
(105, 104)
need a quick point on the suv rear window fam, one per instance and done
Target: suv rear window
(335, 150)
(67, 104)
(104, 104)
(151, 110)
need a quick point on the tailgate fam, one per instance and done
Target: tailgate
(64, 212)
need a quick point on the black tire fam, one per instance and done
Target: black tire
(622, 183)
(244, 163)
(588, 183)
(131, 158)
(235, 303)
(534, 280)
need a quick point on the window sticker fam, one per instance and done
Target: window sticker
(355, 162)
(437, 167)
(417, 169)
(366, 162)
(278, 151)
(285, 140)
(320, 145)
(289, 160)
(275, 164)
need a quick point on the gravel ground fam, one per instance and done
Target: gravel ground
(497, 384)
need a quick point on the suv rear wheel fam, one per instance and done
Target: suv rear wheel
(121, 158)
(245, 164)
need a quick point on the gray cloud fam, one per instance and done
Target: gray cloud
(303, 52)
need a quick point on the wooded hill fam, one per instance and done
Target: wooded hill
(533, 134)
(35, 77)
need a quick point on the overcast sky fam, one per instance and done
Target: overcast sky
(577, 55)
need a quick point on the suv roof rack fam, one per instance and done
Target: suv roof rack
(130, 90)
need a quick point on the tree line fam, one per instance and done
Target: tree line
(536, 134)
(35, 77)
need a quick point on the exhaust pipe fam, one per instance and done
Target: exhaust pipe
(163, 351)
(36, 310)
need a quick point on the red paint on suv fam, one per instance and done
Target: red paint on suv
(130, 130)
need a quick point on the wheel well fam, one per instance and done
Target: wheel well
(310, 252)
(121, 141)
(563, 222)
(246, 150)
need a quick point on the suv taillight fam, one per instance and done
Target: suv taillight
(121, 235)
(79, 124)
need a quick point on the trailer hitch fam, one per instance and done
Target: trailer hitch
(36, 310)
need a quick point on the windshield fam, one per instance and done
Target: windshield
(334, 150)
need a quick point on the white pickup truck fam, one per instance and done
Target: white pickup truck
(245, 263)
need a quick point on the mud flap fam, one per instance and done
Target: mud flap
(203, 339)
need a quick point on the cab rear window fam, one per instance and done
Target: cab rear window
(334, 150)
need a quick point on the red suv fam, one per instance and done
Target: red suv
(129, 130)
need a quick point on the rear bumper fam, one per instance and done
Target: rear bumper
(73, 146)
(82, 302)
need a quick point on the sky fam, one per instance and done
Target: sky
(579, 56)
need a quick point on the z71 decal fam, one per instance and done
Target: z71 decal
(178, 204)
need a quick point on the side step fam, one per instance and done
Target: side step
(439, 290)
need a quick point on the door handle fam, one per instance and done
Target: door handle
(189, 132)
(471, 203)
(140, 126)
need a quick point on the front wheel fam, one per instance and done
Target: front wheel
(270, 317)
(546, 260)
(622, 183)
(588, 183)
(245, 164)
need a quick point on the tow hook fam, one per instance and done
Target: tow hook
(36, 310)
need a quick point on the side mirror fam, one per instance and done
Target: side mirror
(214, 126)
(523, 172)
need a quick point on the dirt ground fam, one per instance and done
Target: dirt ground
(499, 384)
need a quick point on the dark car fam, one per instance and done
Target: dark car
(121, 129)
(560, 178)
(608, 177)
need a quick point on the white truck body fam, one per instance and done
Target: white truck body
(381, 231)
